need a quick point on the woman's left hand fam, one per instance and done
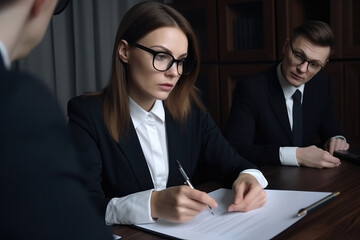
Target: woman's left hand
(248, 194)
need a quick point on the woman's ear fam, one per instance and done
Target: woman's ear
(123, 51)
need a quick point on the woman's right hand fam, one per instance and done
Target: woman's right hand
(179, 204)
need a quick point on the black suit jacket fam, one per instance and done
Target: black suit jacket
(259, 123)
(42, 193)
(119, 169)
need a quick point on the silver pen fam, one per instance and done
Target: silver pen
(187, 180)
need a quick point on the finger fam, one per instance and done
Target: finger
(347, 146)
(202, 198)
(331, 145)
(185, 206)
(341, 145)
(330, 161)
(239, 192)
(255, 198)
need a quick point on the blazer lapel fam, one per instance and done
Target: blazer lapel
(277, 102)
(131, 148)
(175, 138)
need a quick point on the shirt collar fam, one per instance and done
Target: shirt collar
(287, 88)
(5, 55)
(139, 115)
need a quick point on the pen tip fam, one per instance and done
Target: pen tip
(301, 213)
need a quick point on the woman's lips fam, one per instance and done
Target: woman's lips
(166, 86)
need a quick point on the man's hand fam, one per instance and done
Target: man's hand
(248, 194)
(179, 204)
(315, 157)
(334, 144)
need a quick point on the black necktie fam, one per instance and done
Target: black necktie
(297, 119)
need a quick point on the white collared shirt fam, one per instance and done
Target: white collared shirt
(150, 129)
(5, 55)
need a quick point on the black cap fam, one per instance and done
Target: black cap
(61, 5)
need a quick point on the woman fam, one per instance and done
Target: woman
(131, 134)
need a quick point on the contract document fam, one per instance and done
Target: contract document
(279, 213)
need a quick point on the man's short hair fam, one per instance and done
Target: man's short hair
(318, 32)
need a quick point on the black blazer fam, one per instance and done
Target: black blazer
(119, 169)
(258, 124)
(42, 195)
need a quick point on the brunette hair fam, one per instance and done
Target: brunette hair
(141, 19)
(317, 32)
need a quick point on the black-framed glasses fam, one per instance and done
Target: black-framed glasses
(298, 59)
(162, 61)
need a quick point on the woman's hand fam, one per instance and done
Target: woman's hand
(248, 194)
(179, 204)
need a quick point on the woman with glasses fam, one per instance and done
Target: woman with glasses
(279, 115)
(132, 134)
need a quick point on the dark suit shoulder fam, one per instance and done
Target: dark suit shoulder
(28, 101)
(319, 81)
(20, 88)
(251, 85)
(85, 105)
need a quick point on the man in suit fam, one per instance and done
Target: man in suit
(41, 187)
(269, 126)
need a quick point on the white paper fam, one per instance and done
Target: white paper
(279, 213)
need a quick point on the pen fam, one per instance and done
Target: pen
(187, 180)
(304, 211)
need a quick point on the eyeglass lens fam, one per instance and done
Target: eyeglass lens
(163, 61)
(298, 59)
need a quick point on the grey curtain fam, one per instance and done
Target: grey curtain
(75, 54)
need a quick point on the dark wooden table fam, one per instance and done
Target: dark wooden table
(338, 219)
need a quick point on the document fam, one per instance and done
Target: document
(279, 213)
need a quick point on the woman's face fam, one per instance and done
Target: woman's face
(146, 84)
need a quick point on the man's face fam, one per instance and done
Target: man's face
(303, 60)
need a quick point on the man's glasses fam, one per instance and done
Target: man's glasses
(298, 59)
(162, 61)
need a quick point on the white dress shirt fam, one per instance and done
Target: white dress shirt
(5, 55)
(151, 131)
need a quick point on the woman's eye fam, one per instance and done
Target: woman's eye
(162, 57)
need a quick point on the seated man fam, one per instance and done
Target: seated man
(270, 126)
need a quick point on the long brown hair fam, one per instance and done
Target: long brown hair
(141, 19)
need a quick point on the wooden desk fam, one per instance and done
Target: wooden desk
(338, 219)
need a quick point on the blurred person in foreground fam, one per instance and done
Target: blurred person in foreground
(42, 195)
